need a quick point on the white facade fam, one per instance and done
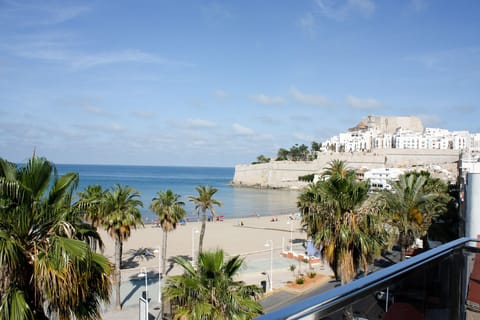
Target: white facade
(381, 178)
(475, 142)
(369, 139)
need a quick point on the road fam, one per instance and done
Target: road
(368, 307)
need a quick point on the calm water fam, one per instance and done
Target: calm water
(148, 180)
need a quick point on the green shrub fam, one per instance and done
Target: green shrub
(306, 178)
(311, 274)
(300, 280)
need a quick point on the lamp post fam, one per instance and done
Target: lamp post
(143, 274)
(194, 230)
(269, 243)
(291, 235)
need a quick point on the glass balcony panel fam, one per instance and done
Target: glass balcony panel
(441, 284)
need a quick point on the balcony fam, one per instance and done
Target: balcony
(442, 283)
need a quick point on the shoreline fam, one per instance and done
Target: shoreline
(259, 186)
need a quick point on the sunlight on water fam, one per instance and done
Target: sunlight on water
(148, 180)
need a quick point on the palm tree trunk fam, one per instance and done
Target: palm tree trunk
(118, 275)
(202, 231)
(164, 270)
(403, 245)
(164, 253)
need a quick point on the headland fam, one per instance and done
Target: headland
(285, 174)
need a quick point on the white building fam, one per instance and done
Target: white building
(381, 178)
(367, 139)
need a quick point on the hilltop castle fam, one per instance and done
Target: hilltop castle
(376, 142)
(379, 132)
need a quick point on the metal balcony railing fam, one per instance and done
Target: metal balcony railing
(441, 283)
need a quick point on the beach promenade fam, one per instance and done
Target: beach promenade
(248, 240)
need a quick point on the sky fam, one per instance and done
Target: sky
(218, 83)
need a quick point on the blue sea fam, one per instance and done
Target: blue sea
(237, 202)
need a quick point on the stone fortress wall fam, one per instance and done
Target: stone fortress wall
(284, 174)
(391, 124)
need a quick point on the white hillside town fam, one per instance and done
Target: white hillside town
(377, 132)
(380, 149)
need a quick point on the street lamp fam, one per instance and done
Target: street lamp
(269, 243)
(157, 251)
(291, 235)
(143, 274)
(194, 230)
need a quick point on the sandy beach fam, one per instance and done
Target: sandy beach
(248, 240)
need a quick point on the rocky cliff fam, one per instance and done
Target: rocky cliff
(284, 174)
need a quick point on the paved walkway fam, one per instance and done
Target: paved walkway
(257, 270)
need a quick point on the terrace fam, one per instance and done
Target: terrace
(442, 283)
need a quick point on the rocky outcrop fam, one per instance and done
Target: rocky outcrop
(284, 174)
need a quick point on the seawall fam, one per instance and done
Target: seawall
(284, 174)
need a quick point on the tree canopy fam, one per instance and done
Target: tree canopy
(210, 291)
(47, 268)
(203, 202)
(336, 216)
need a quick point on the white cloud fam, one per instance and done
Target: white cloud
(308, 24)
(199, 124)
(95, 110)
(100, 129)
(363, 103)
(115, 127)
(124, 56)
(343, 9)
(310, 99)
(241, 130)
(40, 13)
(144, 114)
(303, 137)
(59, 15)
(220, 94)
(57, 47)
(268, 100)
(445, 60)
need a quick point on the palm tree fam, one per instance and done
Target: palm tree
(170, 211)
(338, 168)
(338, 221)
(412, 203)
(307, 203)
(120, 215)
(90, 206)
(91, 202)
(209, 292)
(204, 202)
(46, 271)
(341, 224)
